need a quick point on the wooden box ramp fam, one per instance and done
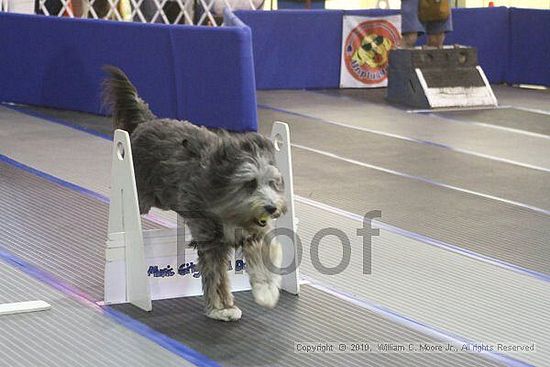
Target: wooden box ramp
(438, 78)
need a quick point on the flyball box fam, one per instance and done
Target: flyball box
(448, 77)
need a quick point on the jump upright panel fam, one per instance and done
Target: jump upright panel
(203, 74)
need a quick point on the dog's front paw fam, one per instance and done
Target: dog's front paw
(266, 294)
(225, 314)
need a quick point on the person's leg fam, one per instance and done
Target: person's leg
(125, 10)
(80, 8)
(436, 40)
(409, 39)
(410, 25)
(436, 31)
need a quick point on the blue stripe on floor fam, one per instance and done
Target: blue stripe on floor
(162, 340)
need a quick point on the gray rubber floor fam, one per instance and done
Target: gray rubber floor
(67, 242)
(69, 229)
(70, 334)
(477, 223)
(506, 117)
(92, 123)
(266, 338)
(424, 162)
(374, 115)
(483, 198)
(522, 97)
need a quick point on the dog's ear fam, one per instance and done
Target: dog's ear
(253, 142)
(191, 149)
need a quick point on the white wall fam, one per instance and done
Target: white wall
(21, 6)
(348, 4)
(535, 4)
(395, 4)
(361, 4)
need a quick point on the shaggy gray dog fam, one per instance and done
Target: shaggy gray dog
(224, 184)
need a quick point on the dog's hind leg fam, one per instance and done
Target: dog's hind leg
(213, 264)
(262, 262)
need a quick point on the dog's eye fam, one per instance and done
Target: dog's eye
(277, 184)
(251, 185)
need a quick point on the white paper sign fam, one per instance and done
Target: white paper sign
(170, 273)
(366, 43)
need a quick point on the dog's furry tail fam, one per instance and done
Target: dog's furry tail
(120, 96)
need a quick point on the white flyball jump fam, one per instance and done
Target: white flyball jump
(142, 266)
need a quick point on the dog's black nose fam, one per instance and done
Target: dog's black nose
(270, 209)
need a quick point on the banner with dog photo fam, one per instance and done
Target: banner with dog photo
(366, 42)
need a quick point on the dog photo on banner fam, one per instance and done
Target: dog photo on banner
(366, 43)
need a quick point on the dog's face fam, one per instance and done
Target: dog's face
(260, 197)
(251, 193)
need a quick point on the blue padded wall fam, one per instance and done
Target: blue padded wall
(294, 48)
(56, 62)
(215, 71)
(301, 48)
(529, 47)
(202, 74)
(488, 30)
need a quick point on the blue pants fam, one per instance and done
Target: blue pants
(410, 22)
